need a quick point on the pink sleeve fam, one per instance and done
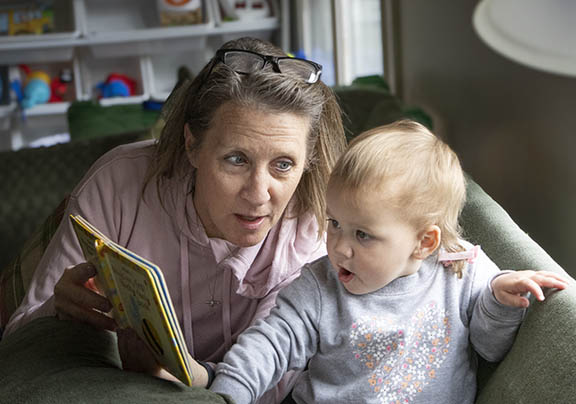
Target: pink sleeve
(63, 251)
(93, 198)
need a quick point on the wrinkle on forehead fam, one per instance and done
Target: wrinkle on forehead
(250, 125)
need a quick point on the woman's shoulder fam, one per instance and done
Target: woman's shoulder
(122, 165)
(127, 154)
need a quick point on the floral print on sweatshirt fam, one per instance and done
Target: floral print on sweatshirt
(403, 357)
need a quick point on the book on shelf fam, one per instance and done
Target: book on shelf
(139, 296)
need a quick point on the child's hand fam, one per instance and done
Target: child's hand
(509, 288)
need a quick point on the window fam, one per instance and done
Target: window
(345, 36)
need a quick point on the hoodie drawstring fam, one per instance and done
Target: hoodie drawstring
(185, 293)
(226, 322)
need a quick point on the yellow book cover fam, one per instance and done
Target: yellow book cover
(138, 292)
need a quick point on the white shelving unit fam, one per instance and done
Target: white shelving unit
(94, 38)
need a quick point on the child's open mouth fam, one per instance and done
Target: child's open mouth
(344, 275)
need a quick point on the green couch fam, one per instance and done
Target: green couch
(55, 361)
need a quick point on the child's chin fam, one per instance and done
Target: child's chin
(355, 291)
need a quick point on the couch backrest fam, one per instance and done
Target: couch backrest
(34, 181)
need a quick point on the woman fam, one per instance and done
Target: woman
(228, 202)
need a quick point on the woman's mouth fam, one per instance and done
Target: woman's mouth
(344, 275)
(250, 222)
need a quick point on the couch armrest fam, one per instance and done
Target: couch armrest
(541, 366)
(486, 223)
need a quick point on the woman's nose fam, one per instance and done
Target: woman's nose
(257, 188)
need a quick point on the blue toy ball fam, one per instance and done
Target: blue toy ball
(114, 88)
(36, 92)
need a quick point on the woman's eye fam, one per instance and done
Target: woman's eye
(236, 160)
(284, 165)
(362, 235)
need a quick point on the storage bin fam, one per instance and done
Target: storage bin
(163, 70)
(132, 27)
(95, 71)
(31, 128)
(68, 92)
(55, 46)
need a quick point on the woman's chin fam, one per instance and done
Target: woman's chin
(248, 241)
(245, 238)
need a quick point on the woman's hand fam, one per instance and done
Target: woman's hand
(77, 298)
(509, 288)
(137, 357)
(135, 354)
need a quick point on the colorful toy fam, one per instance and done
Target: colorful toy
(59, 86)
(37, 87)
(117, 85)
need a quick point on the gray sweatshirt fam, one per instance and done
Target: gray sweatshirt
(413, 341)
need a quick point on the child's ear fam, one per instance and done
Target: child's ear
(188, 142)
(428, 242)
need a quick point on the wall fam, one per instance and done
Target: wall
(512, 126)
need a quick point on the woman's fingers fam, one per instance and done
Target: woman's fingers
(70, 311)
(80, 273)
(135, 354)
(73, 300)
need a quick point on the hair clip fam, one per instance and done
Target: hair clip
(447, 258)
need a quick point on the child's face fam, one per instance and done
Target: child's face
(368, 243)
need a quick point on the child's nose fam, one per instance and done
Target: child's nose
(343, 247)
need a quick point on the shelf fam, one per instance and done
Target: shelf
(111, 28)
(51, 108)
(98, 37)
(56, 46)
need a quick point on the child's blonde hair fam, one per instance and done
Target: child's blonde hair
(415, 171)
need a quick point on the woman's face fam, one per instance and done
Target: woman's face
(247, 169)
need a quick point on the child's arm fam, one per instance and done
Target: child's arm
(283, 341)
(496, 314)
(510, 288)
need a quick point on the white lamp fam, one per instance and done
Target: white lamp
(537, 33)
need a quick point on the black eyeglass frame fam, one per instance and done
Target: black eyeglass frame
(267, 59)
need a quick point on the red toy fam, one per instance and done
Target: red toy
(59, 86)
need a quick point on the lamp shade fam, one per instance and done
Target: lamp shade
(537, 33)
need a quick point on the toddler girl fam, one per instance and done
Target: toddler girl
(399, 308)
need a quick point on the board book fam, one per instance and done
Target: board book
(139, 296)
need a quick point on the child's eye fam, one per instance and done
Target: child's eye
(363, 236)
(236, 160)
(334, 223)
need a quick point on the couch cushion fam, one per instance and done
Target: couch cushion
(54, 361)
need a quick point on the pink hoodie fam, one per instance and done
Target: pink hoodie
(196, 268)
